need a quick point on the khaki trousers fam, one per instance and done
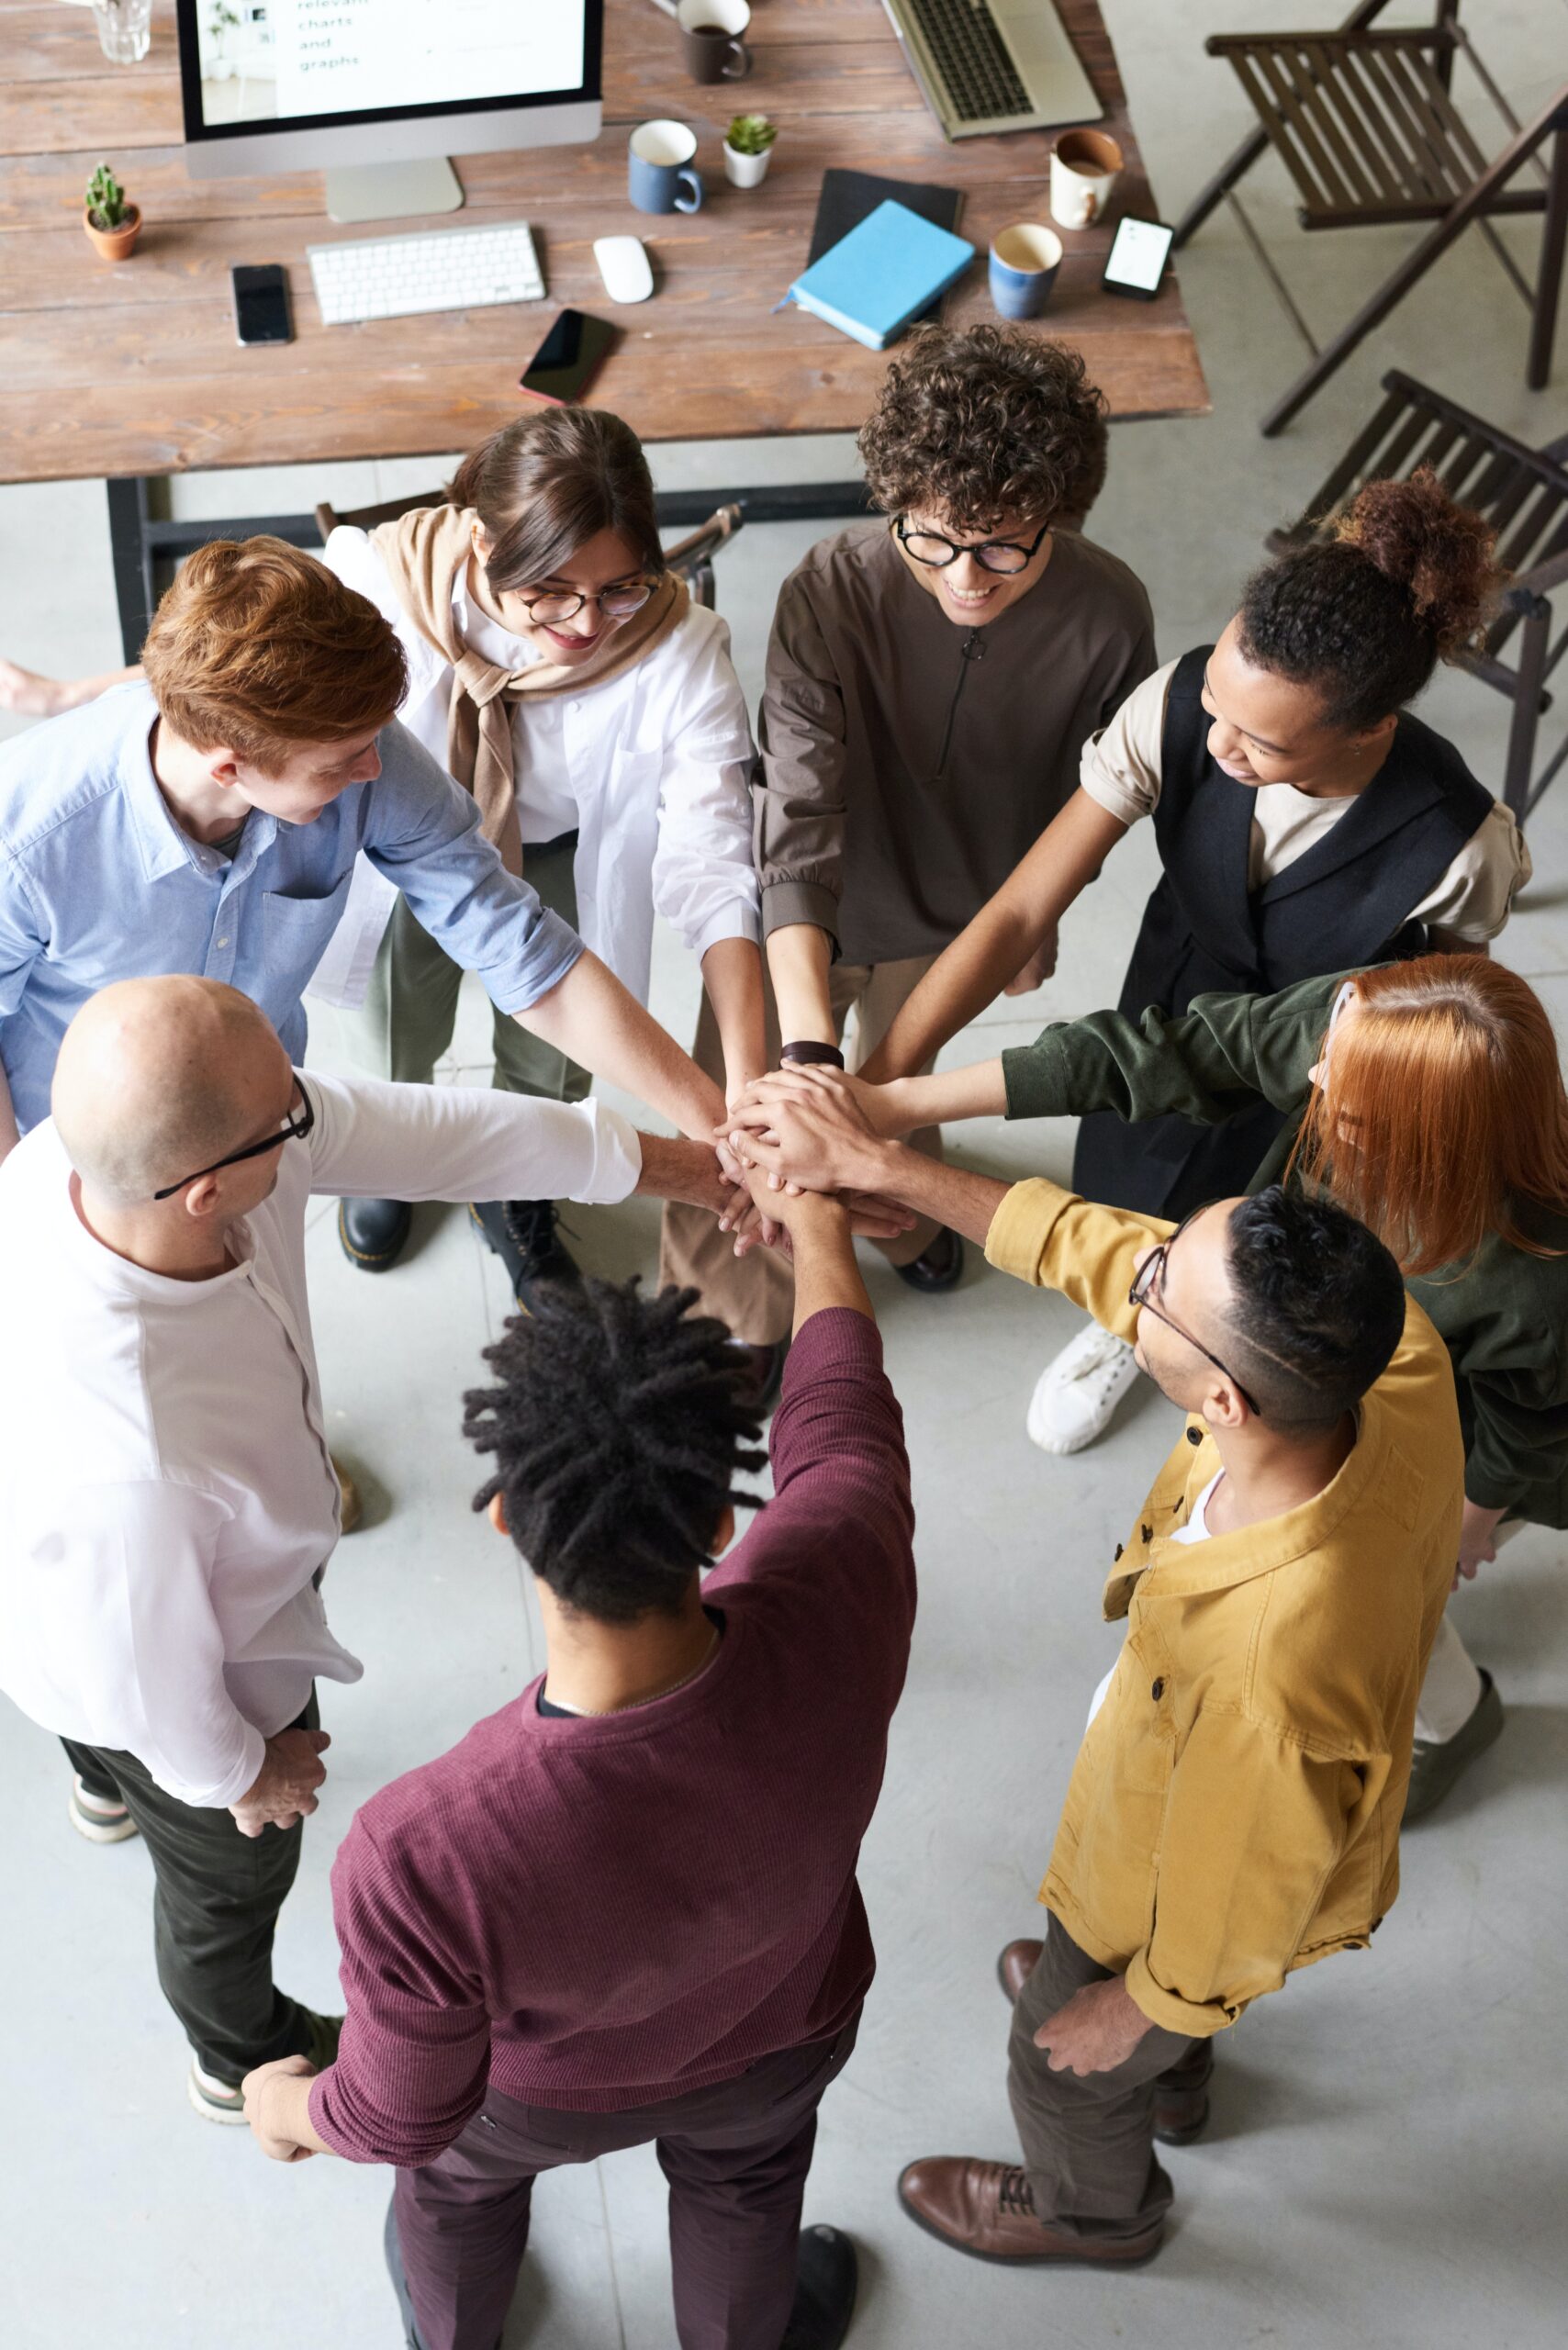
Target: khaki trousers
(755, 1295)
(410, 1006)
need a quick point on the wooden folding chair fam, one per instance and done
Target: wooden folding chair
(1523, 493)
(690, 558)
(1363, 121)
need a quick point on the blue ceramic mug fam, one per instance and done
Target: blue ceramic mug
(659, 169)
(1024, 264)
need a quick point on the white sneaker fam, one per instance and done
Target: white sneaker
(98, 1818)
(1079, 1391)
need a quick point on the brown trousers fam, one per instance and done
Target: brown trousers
(1088, 2144)
(755, 1295)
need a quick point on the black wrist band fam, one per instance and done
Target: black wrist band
(806, 1051)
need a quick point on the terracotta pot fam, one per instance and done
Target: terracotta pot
(116, 244)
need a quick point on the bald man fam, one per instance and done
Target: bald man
(167, 1502)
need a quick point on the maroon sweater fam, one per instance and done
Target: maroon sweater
(593, 1913)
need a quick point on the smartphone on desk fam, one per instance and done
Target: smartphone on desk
(1136, 263)
(261, 304)
(569, 357)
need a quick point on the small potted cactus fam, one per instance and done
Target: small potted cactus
(746, 149)
(113, 225)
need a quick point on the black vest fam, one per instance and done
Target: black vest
(1347, 901)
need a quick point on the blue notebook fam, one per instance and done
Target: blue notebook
(872, 282)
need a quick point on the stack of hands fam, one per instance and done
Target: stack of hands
(802, 1130)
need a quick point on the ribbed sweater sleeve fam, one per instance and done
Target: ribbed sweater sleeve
(414, 2058)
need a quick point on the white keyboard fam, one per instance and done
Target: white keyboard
(451, 268)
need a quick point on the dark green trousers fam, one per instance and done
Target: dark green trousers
(215, 1906)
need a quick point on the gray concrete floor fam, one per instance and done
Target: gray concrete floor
(1386, 2161)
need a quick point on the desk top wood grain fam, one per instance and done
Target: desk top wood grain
(133, 368)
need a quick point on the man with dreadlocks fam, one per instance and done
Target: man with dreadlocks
(624, 1908)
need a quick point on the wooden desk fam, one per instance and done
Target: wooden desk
(133, 369)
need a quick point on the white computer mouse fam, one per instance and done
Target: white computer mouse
(623, 265)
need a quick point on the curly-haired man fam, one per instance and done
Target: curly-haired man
(932, 680)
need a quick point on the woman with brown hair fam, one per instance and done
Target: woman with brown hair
(1427, 1099)
(562, 673)
(1306, 822)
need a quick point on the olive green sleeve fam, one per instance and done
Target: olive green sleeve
(1219, 1057)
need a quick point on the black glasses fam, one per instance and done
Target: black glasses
(996, 554)
(294, 1128)
(615, 603)
(1150, 1276)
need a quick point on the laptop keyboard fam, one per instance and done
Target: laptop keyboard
(972, 59)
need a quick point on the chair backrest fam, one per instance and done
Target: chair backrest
(1522, 492)
(691, 558)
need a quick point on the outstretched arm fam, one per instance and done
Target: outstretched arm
(993, 948)
(592, 1016)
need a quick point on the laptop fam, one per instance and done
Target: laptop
(987, 65)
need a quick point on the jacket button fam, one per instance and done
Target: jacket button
(1195, 1435)
(1119, 1550)
(1157, 1691)
(1147, 1533)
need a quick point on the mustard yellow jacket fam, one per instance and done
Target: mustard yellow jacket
(1234, 1811)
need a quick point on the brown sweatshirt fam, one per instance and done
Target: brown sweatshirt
(908, 763)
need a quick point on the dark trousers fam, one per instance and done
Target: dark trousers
(215, 1904)
(735, 2157)
(1088, 2144)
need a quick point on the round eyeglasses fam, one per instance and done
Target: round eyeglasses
(1002, 555)
(615, 603)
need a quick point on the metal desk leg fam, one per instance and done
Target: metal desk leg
(136, 592)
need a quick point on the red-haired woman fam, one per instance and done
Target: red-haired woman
(1426, 1096)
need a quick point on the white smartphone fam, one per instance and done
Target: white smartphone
(1136, 263)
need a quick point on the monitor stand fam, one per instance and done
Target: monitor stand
(392, 191)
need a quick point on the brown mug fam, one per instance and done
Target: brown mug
(711, 39)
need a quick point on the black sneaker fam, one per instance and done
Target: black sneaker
(524, 1237)
(939, 1267)
(827, 2276)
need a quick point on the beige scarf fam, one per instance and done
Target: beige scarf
(423, 553)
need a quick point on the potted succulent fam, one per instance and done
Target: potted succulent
(746, 149)
(113, 225)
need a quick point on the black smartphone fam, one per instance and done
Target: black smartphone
(1136, 263)
(569, 357)
(261, 305)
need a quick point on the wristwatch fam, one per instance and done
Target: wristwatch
(808, 1051)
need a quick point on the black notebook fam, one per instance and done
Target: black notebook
(849, 197)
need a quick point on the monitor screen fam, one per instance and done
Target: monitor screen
(313, 64)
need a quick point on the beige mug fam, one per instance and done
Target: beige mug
(1085, 167)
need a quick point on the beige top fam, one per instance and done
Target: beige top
(1120, 769)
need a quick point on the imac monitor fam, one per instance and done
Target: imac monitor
(355, 86)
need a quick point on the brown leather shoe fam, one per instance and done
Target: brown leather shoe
(986, 2209)
(1181, 2096)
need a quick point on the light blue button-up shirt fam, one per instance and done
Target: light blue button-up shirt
(97, 883)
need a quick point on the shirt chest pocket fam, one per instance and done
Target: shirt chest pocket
(296, 927)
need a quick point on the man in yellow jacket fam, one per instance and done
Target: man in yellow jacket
(1234, 1811)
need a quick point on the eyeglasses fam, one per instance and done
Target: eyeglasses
(995, 554)
(1150, 1278)
(615, 603)
(294, 1128)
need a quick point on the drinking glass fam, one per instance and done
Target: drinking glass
(125, 29)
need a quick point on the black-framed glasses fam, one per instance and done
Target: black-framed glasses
(1002, 556)
(615, 603)
(1150, 1278)
(294, 1128)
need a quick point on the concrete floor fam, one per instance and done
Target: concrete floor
(1386, 2159)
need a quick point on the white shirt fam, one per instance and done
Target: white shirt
(166, 1495)
(1121, 770)
(652, 768)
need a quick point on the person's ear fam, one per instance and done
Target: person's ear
(496, 1511)
(1222, 1408)
(725, 1532)
(201, 1198)
(481, 541)
(1366, 736)
(225, 768)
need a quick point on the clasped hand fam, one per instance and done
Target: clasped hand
(811, 1129)
(284, 1788)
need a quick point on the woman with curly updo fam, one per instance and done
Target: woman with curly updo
(932, 680)
(1307, 824)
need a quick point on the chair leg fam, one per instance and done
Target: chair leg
(1533, 637)
(1549, 281)
(1213, 193)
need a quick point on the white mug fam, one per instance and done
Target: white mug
(1085, 167)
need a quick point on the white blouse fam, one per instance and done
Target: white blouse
(652, 768)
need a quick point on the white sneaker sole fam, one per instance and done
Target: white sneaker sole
(98, 1832)
(208, 2111)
